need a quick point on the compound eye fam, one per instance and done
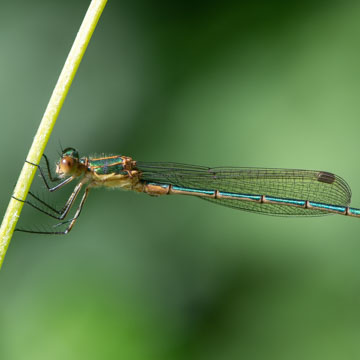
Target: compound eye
(66, 164)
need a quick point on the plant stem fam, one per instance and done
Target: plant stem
(48, 121)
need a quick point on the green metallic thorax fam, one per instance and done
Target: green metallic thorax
(106, 165)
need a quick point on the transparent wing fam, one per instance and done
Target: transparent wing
(312, 185)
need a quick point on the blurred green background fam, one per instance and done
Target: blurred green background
(265, 83)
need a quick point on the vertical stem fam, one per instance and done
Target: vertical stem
(48, 121)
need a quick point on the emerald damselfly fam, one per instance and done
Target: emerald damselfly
(282, 192)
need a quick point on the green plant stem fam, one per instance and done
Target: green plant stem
(48, 121)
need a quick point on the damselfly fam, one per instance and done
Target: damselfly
(282, 192)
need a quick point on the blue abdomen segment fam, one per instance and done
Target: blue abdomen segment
(353, 212)
(224, 194)
(190, 191)
(327, 207)
(284, 201)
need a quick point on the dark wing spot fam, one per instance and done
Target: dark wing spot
(325, 177)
